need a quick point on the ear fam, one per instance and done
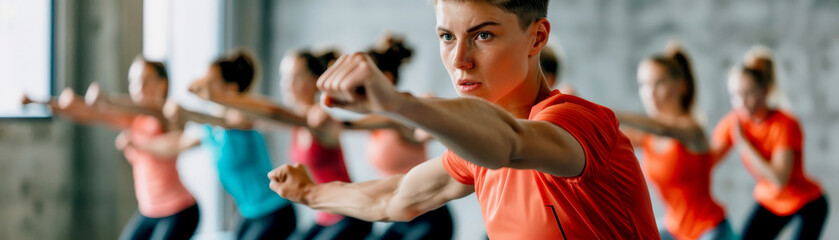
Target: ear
(539, 30)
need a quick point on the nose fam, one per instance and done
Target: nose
(462, 59)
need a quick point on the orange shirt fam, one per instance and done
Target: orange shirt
(157, 184)
(779, 130)
(683, 179)
(609, 200)
(391, 154)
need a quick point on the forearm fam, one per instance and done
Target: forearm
(641, 122)
(126, 105)
(167, 145)
(763, 167)
(261, 108)
(368, 200)
(471, 128)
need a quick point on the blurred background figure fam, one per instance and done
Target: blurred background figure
(676, 154)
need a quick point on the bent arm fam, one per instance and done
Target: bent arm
(397, 198)
(776, 170)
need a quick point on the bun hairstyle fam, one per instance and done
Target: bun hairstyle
(317, 63)
(759, 58)
(678, 66)
(237, 67)
(390, 53)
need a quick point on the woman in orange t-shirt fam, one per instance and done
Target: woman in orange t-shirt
(677, 157)
(770, 143)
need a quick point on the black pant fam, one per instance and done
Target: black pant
(277, 225)
(181, 225)
(766, 225)
(435, 224)
(348, 228)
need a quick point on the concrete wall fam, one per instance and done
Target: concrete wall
(61, 181)
(603, 42)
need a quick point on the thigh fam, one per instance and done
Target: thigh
(348, 228)
(812, 216)
(179, 226)
(277, 225)
(763, 224)
(139, 227)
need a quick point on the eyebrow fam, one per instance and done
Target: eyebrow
(475, 28)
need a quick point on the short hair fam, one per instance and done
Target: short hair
(528, 11)
(237, 67)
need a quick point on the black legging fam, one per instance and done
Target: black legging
(178, 226)
(766, 225)
(277, 225)
(436, 224)
(348, 228)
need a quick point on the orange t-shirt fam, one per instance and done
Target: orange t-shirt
(391, 154)
(157, 184)
(683, 179)
(609, 200)
(778, 130)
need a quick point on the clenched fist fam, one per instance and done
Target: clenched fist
(292, 182)
(356, 84)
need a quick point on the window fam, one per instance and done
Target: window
(25, 56)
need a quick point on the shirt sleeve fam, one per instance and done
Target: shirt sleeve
(595, 128)
(460, 169)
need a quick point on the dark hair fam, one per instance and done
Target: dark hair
(528, 11)
(550, 62)
(159, 68)
(759, 76)
(390, 54)
(765, 65)
(678, 66)
(317, 63)
(237, 67)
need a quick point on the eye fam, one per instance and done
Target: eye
(484, 35)
(446, 37)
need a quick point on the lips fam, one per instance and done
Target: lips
(466, 85)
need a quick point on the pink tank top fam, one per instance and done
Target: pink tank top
(391, 154)
(157, 184)
(325, 164)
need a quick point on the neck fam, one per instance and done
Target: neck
(520, 100)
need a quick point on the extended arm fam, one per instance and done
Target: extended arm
(475, 130)
(689, 135)
(396, 198)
